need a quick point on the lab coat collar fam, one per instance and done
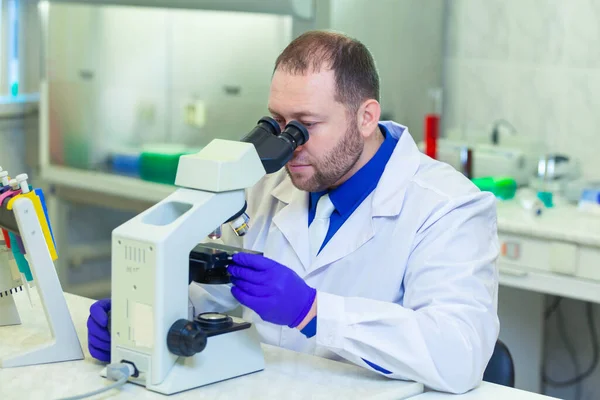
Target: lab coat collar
(387, 200)
(388, 196)
(285, 190)
(292, 220)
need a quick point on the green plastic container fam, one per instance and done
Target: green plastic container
(503, 188)
(159, 163)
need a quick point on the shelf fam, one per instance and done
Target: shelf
(297, 8)
(550, 283)
(564, 223)
(110, 184)
(20, 99)
(18, 106)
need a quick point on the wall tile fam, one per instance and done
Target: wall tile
(454, 99)
(488, 25)
(582, 33)
(482, 89)
(545, 79)
(537, 32)
(581, 134)
(538, 103)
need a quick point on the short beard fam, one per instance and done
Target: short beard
(336, 164)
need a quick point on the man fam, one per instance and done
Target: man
(373, 253)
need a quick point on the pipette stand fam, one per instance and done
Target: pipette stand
(64, 344)
(9, 314)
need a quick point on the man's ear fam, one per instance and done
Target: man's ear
(368, 116)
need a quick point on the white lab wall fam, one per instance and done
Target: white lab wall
(123, 76)
(406, 40)
(12, 144)
(141, 75)
(535, 63)
(30, 46)
(18, 130)
(227, 70)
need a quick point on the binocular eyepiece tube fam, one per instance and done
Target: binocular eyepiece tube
(294, 133)
(275, 148)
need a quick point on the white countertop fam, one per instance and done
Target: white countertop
(563, 222)
(287, 375)
(487, 391)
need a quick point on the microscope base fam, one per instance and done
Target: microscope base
(226, 356)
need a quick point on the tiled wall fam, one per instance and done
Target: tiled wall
(535, 63)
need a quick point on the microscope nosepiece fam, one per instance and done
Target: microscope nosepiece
(240, 225)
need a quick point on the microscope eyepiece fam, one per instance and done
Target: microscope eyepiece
(295, 133)
(270, 124)
(274, 147)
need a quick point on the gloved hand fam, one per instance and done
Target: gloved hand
(98, 335)
(272, 290)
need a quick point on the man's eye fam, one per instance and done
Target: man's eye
(308, 124)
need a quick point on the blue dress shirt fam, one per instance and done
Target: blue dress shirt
(349, 195)
(346, 198)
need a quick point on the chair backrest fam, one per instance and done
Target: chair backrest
(501, 368)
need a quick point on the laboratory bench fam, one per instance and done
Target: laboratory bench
(485, 391)
(557, 253)
(287, 374)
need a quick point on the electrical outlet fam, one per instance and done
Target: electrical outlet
(195, 113)
(146, 112)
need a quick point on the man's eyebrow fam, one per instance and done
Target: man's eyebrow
(296, 115)
(273, 111)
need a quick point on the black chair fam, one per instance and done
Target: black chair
(501, 368)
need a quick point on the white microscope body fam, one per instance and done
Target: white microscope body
(150, 264)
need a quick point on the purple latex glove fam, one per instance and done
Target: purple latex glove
(98, 335)
(272, 290)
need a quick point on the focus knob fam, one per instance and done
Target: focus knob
(185, 338)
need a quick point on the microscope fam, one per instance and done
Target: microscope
(151, 328)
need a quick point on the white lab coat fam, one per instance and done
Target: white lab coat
(408, 282)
